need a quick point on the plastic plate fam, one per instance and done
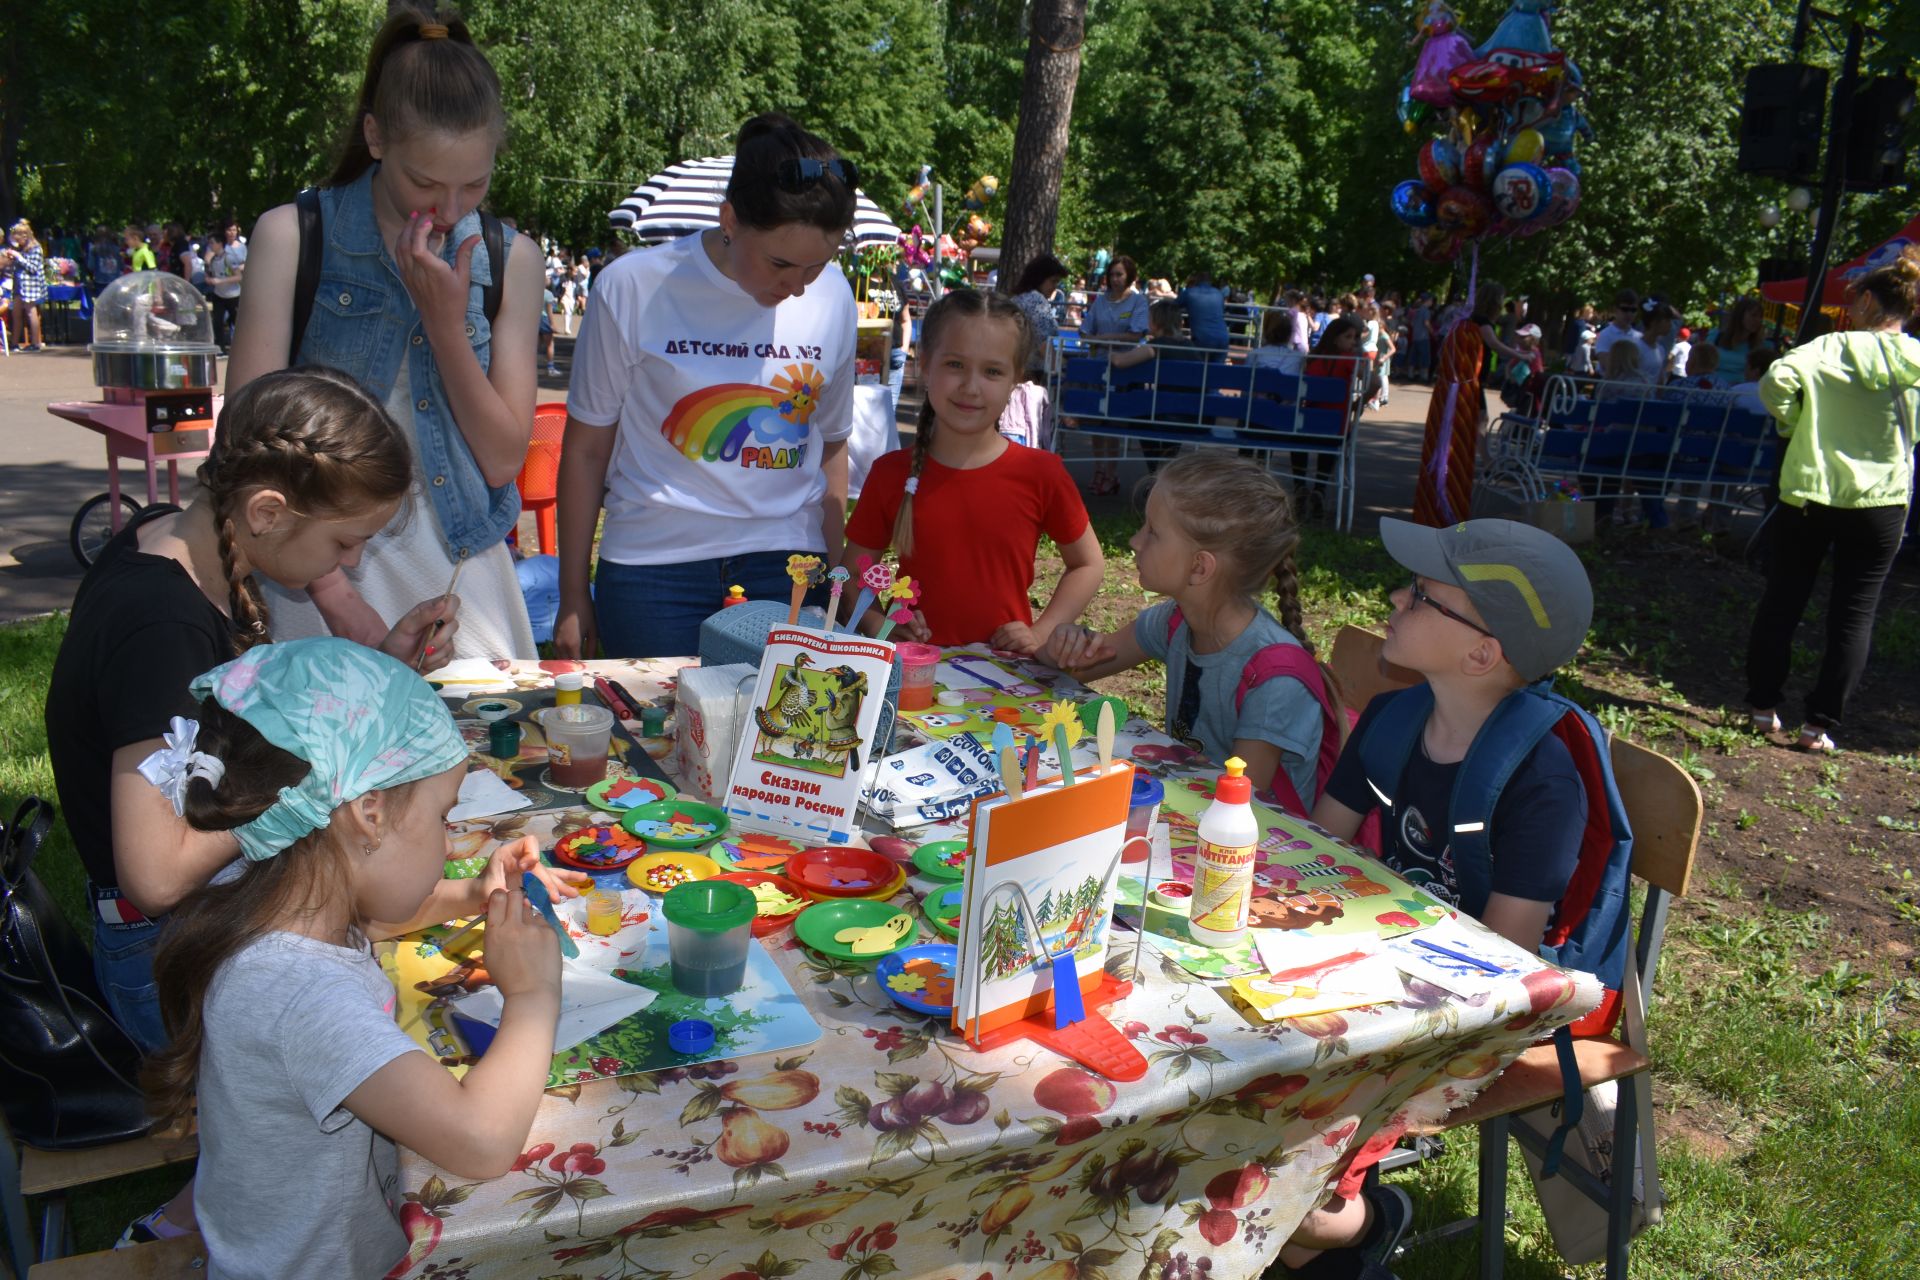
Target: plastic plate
(697, 866)
(943, 910)
(676, 824)
(944, 860)
(820, 924)
(763, 922)
(836, 872)
(619, 795)
(921, 977)
(605, 847)
(753, 851)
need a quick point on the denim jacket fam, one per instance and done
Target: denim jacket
(364, 323)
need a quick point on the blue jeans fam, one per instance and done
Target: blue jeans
(655, 610)
(123, 966)
(896, 377)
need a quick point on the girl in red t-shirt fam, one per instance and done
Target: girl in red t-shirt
(965, 507)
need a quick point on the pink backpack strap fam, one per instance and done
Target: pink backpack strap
(1293, 661)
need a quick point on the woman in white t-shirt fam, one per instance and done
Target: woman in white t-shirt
(710, 405)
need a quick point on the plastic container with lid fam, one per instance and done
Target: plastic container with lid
(709, 927)
(1223, 867)
(577, 741)
(152, 331)
(918, 662)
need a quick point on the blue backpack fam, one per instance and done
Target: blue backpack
(1588, 931)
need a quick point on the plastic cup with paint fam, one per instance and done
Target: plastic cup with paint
(917, 665)
(603, 911)
(1143, 810)
(709, 927)
(577, 741)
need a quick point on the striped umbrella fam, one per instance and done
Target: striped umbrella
(685, 198)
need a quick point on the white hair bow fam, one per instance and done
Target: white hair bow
(175, 765)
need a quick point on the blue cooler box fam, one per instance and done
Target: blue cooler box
(739, 634)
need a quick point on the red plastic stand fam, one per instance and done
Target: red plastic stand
(1093, 1042)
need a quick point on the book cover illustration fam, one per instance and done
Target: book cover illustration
(815, 711)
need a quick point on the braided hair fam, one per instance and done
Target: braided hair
(319, 439)
(953, 305)
(1241, 512)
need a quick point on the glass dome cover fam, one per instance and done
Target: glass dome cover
(153, 312)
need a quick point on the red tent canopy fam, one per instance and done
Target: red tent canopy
(1834, 293)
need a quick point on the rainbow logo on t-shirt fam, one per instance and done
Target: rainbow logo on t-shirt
(715, 424)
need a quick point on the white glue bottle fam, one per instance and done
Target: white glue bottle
(1223, 869)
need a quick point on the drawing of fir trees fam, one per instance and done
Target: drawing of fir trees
(1002, 948)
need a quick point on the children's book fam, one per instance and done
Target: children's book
(1047, 861)
(811, 725)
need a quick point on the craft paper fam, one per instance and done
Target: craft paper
(484, 795)
(1456, 976)
(809, 734)
(590, 1002)
(471, 671)
(1323, 988)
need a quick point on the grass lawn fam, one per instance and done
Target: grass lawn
(1783, 1025)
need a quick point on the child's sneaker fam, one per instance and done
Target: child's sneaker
(553, 370)
(147, 1229)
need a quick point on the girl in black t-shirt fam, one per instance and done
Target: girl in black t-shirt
(306, 466)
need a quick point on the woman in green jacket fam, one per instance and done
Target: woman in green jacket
(1847, 404)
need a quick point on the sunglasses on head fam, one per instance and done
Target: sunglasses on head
(1422, 598)
(803, 173)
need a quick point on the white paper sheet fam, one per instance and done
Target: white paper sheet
(483, 794)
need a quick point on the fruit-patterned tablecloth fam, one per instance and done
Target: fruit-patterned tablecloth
(888, 1147)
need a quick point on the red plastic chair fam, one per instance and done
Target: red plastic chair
(539, 480)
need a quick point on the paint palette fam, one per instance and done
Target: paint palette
(599, 848)
(855, 930)
(676, 824)
(618, 795)
(777, 900)
(659, 872)
(921, 977)
(836, 872)
(943, 909)
(943, 860)
(752, 851)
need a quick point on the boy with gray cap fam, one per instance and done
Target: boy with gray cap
(1493, 607)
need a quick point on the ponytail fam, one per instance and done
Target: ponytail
(922, 442)
(423, 72)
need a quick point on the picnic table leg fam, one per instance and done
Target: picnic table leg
(173, 481)
(153, 481)
(1493, 1197)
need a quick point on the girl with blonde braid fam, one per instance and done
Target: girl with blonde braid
(306, 467)
(1218, 530)
(965, 506)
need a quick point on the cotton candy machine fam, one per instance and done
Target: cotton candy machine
(156, 363)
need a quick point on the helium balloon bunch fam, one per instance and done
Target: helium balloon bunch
(1507, 120)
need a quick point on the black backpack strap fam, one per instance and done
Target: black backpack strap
(494, 236)
(306, 281)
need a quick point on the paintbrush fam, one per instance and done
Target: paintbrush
(426, 641)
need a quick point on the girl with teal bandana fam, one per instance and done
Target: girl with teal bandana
(333, 766)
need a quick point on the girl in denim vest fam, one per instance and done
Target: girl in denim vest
(400, 306)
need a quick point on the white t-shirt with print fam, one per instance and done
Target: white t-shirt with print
(723, 406)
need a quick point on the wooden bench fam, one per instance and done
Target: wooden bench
(51, 1174)
(181, 1258)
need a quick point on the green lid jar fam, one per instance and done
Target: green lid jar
(709, 906)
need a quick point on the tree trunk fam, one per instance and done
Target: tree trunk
(1058, 28)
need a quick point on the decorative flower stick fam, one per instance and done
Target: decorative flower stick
(876, 576)
(838, 576)
(904, 592)
(805, 571)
